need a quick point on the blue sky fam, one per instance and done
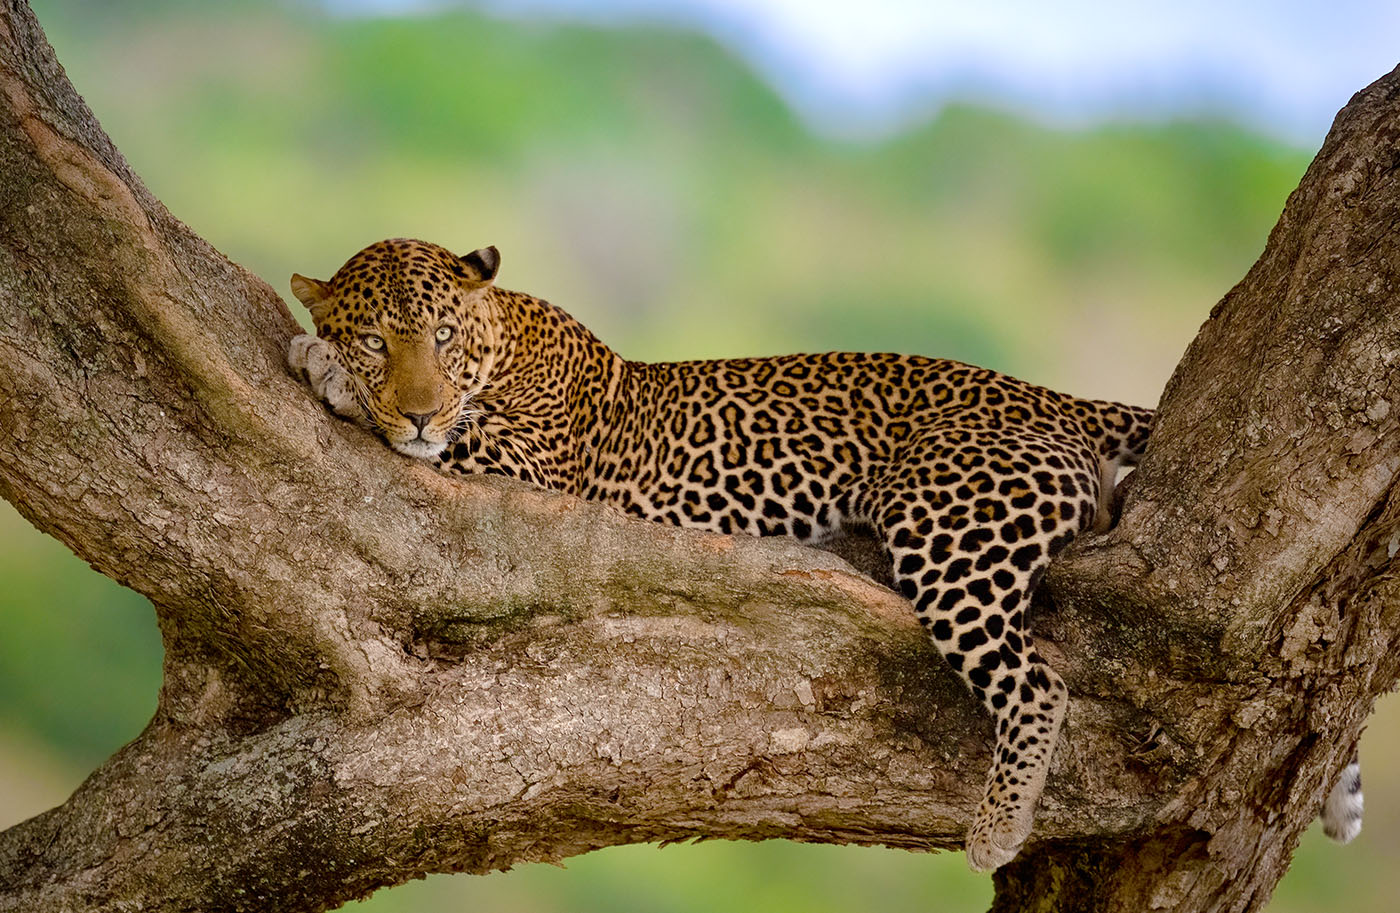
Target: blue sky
(865, 66)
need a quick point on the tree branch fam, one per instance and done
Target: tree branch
(373, 672)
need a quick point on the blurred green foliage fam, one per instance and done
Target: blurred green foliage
(657, 188)
(79, 655)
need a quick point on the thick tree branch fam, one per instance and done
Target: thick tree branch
(1250, 583)
(374, 672)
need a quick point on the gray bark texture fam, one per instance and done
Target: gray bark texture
(374, 672)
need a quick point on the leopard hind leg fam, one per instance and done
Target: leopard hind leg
(977, 621)
(968, 554)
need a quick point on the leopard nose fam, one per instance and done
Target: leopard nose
(421, 419)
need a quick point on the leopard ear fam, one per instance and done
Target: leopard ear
(313, 293)
(481, 265)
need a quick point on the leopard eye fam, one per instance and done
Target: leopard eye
(443, 334)
(372, 342)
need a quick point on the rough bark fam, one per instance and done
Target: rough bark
(373, 672)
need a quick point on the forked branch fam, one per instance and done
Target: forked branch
(374, 672)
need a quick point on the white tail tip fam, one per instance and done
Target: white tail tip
(1341, 815)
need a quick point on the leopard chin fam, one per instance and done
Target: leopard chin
(419, 449)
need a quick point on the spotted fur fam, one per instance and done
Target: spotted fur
(974, 480)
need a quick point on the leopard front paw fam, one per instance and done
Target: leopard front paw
(317, 363)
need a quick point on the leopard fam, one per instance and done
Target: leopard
(972, 480)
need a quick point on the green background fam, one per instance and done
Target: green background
(649, 182)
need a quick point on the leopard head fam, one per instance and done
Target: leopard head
(412, 325)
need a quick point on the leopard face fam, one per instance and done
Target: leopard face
(409, 322)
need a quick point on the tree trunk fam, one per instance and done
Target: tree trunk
(374, 672)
